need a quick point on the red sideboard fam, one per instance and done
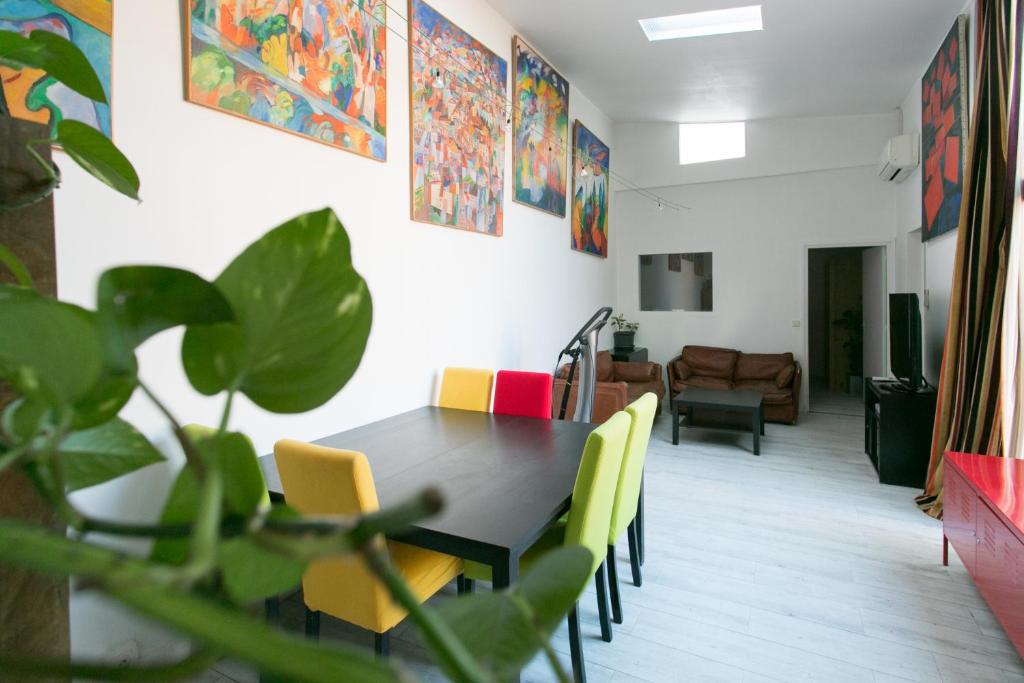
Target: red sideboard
(983, 517)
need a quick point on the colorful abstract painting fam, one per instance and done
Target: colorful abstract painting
(541, 125)
(31, 93)
(457, 90)
(944, 93)
(590, 162)
(315, 68)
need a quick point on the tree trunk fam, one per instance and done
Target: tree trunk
(33, 608)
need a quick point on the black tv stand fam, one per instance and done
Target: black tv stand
(898, 431)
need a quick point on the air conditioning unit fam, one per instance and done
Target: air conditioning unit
(900, 157)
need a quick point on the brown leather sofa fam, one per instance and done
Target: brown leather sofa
(618, 384)
(776, 375)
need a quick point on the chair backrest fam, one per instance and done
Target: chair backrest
(627, 493)
(594, 493)
(466, 389)
(527, 394)
(327, 481)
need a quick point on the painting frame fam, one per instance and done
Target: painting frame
(187, 86)
(520, 45)
(940, 195)
(605, 187)
(499, 126)
(108, 30)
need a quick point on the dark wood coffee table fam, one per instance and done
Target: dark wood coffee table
(747, 402)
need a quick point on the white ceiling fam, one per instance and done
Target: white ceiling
(814, 57)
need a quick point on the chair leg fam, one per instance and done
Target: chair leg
(460, 583)
(601, 581)
(312, 624)
(382, 644)
(613, 586)
(634, 557)
(640, 522)
(579, 671)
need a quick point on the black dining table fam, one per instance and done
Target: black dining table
(504, 479)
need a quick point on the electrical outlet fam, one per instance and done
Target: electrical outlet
(126, 653)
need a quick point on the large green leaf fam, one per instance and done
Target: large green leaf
(303, 317)
(136, 302)
(93, 151)
(56, 55)
(244, 488)
(111, 392)
(106, 452)
(252, 573)
(48, 349)
(525, 616)
(218, 626)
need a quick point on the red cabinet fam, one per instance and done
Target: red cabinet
(983, 519)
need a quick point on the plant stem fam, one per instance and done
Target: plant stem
(227, 412)
(549, 653)
(451, 654)
(192, 455)
(192, 665)
(17, 267)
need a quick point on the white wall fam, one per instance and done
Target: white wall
(927, 268)
(758, 217)
(213, 183)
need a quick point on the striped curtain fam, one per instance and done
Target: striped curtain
(1013, 320)
(968, 413)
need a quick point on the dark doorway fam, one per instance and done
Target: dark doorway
(846, 325)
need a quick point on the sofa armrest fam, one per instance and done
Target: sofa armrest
(609, 398)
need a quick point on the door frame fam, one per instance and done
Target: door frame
(890, 278)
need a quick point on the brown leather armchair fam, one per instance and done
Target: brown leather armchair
(636, 378)
(776, 375)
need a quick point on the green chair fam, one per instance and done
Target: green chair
(589, 519)
(627, 495)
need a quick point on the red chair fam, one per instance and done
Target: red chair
(527, 394)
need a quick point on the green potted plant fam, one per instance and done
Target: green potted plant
(852, 323)
(220, 547)
(625, 332)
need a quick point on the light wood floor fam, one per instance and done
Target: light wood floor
(794, 566)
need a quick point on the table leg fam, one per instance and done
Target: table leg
(756, 428)
(761, 413)
(505, 572)
(675, 424)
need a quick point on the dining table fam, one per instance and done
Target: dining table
(504, 479)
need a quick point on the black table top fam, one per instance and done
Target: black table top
(721, 398)
(504, 479)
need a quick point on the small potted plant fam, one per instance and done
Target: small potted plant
(625, 331)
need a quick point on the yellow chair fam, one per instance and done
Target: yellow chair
(327, 481)
(627, 495)
(466, 389)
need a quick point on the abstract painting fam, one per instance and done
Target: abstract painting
(541, 125)
(944, 93)
(457, 114)
(590, 180)
(315, 68)
(32, 94)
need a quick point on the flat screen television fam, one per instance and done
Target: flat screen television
(905, 339)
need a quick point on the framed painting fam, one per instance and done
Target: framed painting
(31, 94)
(316, 69)
(944, 93)
(590, 162)
(457, 90)
(540, 121)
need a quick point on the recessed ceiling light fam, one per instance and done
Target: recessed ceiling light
(713, 23)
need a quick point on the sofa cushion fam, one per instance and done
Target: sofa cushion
(763, 366)
(772, 394)
(700, 382)
(634, 372)
(707, 361)
(785, 376)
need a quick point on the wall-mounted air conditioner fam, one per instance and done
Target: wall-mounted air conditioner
(900, 157)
